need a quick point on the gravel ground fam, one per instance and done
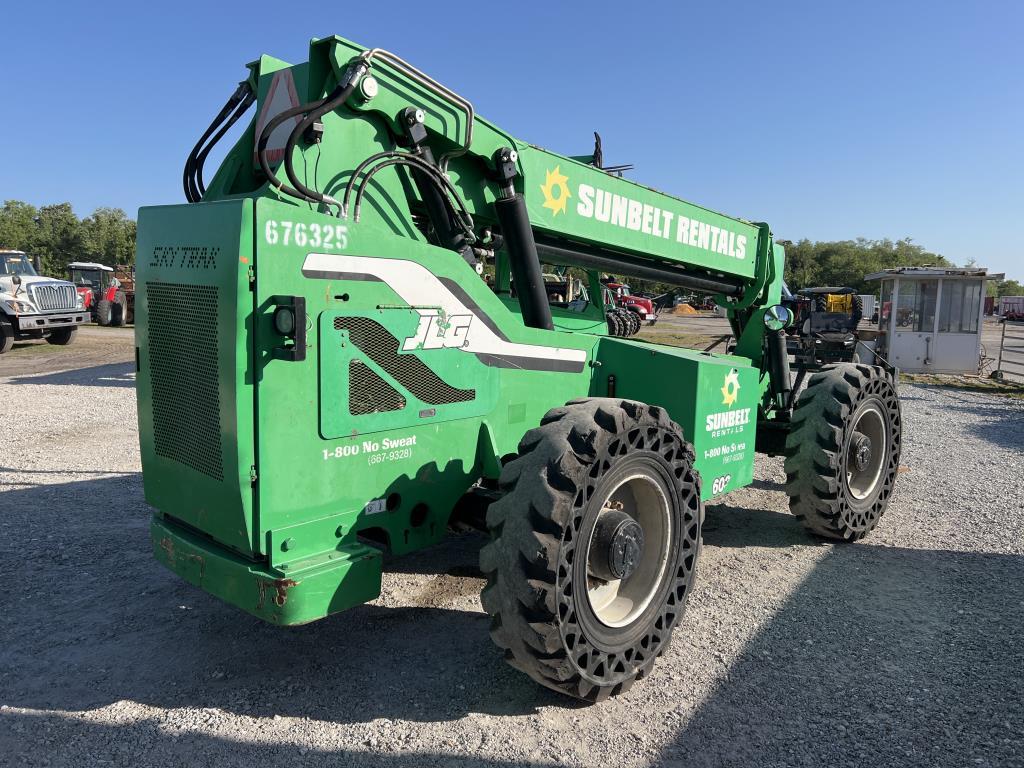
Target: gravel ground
(904, 649)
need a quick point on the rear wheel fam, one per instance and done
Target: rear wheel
(594, 546)
(62, 336)
(858, 310)
(843, 450)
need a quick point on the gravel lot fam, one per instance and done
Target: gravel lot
(904, 649)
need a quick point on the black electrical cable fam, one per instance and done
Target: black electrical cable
(201, 159)
(188, 181)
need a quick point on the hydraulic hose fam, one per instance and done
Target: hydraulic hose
(334, 100)
(404, 158)
(264, 139)
(192, 193)
(201, 159)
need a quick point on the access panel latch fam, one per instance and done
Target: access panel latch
(290, 323)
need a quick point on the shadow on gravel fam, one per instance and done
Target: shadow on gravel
(107, 375)
(98, 621)
(726, 525)
(883, 656)
(152, 744)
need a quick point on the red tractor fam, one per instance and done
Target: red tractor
(625, 299)
(109, 294)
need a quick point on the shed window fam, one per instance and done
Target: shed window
(915, 306)
(960, 306)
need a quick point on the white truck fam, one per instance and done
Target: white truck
(35, 307)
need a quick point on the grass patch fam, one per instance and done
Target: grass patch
(1009, 389)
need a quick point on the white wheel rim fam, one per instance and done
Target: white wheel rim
(871, 424)
(619, 602)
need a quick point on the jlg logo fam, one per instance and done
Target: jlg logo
(437, 332)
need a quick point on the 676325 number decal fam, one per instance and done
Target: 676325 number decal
(325, 236)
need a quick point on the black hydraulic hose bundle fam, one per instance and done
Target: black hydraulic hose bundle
(334, 100)
(201, 159)
(264, 138)
(312, 111)
(192, 176)
(390, 158)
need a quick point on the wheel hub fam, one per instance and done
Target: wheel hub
(617, 546)
(860, 449)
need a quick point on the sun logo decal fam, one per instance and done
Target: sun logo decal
(731, 389)
(556, 190)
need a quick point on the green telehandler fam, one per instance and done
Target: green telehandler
(345, 346)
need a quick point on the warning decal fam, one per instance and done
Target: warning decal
(280, 97)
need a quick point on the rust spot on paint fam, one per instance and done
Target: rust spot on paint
(279, 587)
(167, 545)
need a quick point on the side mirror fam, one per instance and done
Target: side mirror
(777, 317)
(16, 279)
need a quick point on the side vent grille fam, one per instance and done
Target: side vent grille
(184, 375)
(369, 393)
(374, 341)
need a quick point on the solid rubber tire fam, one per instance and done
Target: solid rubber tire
(551, 490)
(816, 450)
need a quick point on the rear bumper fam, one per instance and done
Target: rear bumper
(303, 592)
(49, 322)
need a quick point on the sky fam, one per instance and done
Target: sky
(828, 120)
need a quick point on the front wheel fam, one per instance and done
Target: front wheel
(594, 546)
(63, 336)
(6, 337)
(119, 310)
(104, 312)
(843, 450)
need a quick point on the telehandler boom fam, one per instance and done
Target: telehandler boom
(344, 345)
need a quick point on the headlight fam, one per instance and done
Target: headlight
(19, 307)
(81, 301)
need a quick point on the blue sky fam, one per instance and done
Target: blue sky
(829, 120)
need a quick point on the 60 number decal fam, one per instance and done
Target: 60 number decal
(720, 483)
(325, 236)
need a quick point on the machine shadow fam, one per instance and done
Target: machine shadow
(883, 656)
(64, 741)
(726, 525)
(106, 375)
(98, 620)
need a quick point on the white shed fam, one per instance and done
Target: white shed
(930, 318)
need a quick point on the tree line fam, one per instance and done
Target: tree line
(58, 236)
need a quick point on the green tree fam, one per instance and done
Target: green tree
(848, 262)
(109, 236)
(18, 228)
(60, 238)
(1009, 288)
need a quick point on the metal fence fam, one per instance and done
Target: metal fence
(1010, 364)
